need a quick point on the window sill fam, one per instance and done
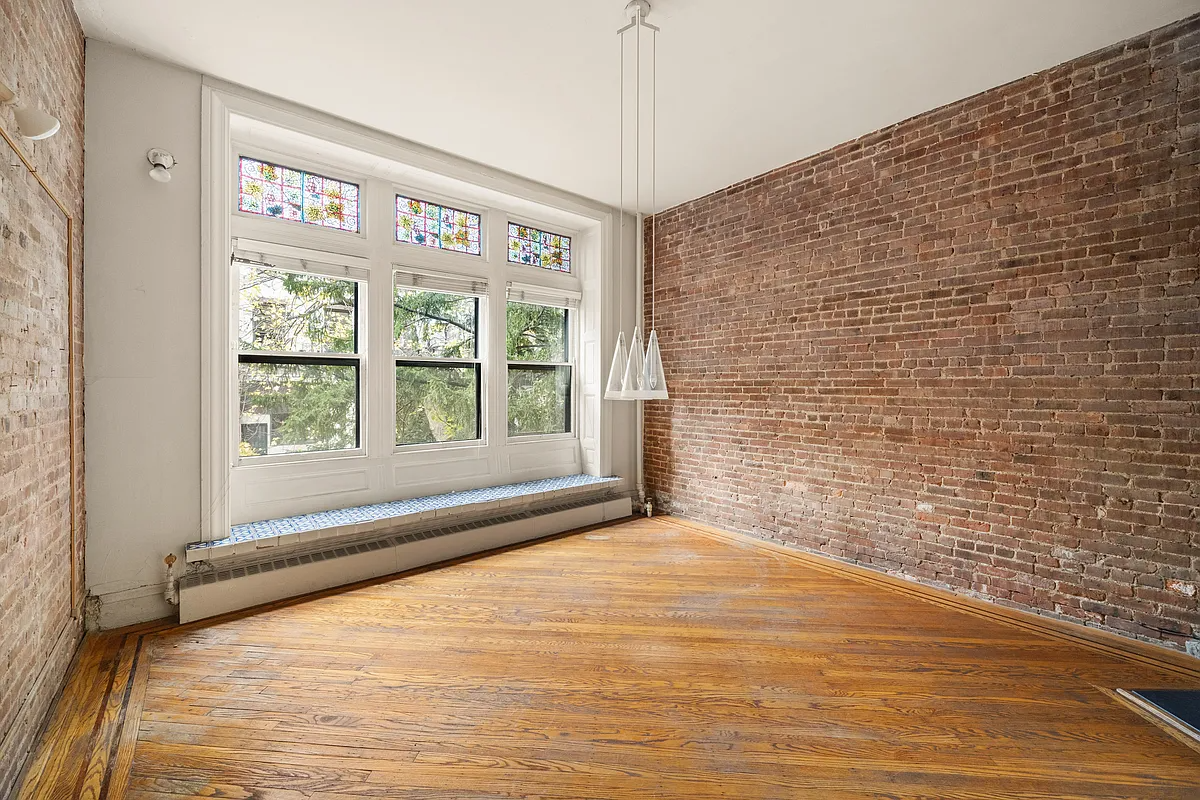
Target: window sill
(249, 462)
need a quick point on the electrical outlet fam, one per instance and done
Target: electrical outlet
(1193, 647)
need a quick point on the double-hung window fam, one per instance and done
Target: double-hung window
(299, 363)
(540, 365)
(439, 370)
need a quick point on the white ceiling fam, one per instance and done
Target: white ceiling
(532, 86)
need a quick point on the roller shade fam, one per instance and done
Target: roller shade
(299, 259)
(427, 281)
(543, 296)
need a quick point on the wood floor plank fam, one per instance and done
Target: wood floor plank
(67, 745)
(652, 662)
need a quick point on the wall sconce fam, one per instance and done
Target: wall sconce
(32, 123)
(160, 164)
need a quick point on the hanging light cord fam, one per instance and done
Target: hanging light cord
(637, 143)
(621, 199)
(653, 164)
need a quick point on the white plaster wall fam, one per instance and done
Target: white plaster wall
(141, 328)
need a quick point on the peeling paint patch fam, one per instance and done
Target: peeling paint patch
(1181, 587)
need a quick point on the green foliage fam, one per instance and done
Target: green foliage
(536, 333)
(436, 403)
(434, 325)
(537, 399)
(288, 312)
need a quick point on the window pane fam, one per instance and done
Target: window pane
(297, 408)
(435, 325)
(431, 225)
(539, 400)
(288, 312)
(536, 333)
(436, 403)
(539, 248)
(296, 195)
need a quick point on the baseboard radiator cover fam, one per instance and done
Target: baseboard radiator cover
(266, 579)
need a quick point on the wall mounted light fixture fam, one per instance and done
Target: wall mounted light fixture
(32, 123)
(160, 164)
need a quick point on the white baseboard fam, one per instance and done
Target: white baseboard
(244, 587)
(130, 607)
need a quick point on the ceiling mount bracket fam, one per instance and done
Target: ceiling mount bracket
(637, 7)
(637, 11)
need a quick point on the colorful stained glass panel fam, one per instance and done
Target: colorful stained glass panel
(292, 194)
(539, 248)
(432, 225)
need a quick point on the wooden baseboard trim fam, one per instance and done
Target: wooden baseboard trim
(1109, 644)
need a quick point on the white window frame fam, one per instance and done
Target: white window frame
(233, 491)
(552, 298)
(285, 258)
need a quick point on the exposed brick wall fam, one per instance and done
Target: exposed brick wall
(963, 348)
(41, 57)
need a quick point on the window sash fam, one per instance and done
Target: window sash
(324, 359)
(281, 258)
(568, 396)
(568, 363)
(402, 280)
(425, 363)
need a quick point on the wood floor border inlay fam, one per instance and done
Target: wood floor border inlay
(95, 746)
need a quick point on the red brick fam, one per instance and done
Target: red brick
(993, 309)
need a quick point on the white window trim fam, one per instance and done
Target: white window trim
(482, 461)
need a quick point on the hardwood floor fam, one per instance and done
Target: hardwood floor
(639, 660)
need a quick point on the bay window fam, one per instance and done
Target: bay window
(379, 330)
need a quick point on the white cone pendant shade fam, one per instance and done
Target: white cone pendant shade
(653, 378)
(633, 386)
(616, 373)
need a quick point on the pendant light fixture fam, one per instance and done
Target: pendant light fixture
(636, 374)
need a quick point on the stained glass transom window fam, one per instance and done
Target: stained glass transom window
(296, 195)
(539, 248)
(431, 225)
